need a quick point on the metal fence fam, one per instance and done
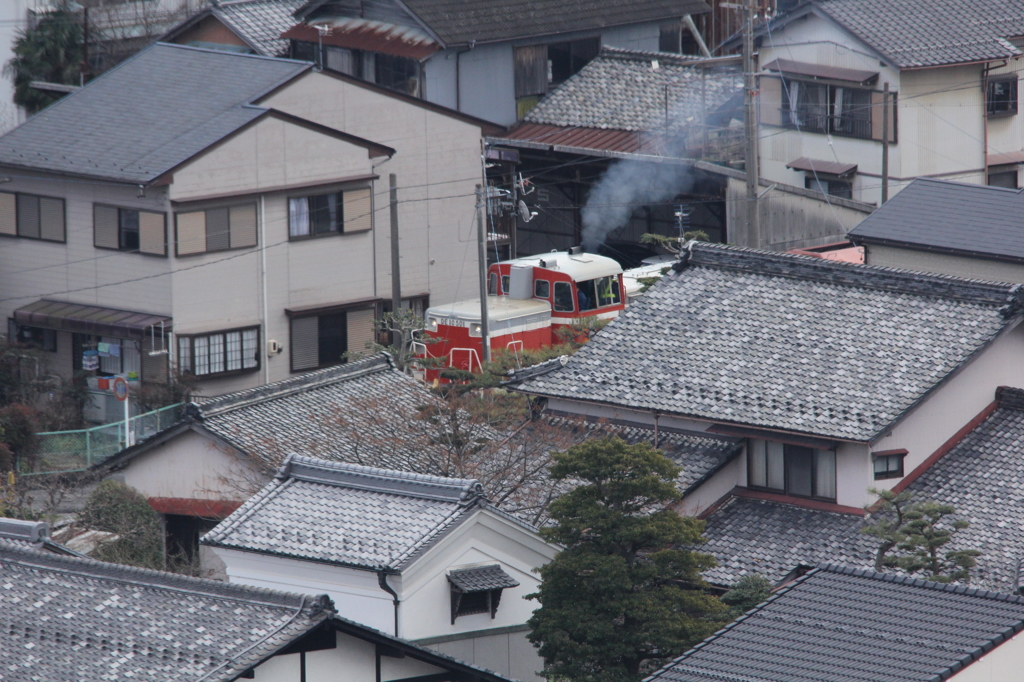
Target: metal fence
(65, 451)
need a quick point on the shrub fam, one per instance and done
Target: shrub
(116, 508)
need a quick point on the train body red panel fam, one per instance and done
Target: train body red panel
(528, 299)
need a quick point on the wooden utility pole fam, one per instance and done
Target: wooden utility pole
(396, 270)
(750, 114)
(481, 243)
(885, 144)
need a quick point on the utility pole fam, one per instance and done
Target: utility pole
(396, 273)
(750, 124)
(885, 144)
(481, 244)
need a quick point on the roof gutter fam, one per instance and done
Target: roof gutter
(382, 580)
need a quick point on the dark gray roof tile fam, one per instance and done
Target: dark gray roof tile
(950, 216)
(260, 22)
(481, 578)
(785, 342)
(839, 624)
(123, 127)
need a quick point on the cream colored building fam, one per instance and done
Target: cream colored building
(228, 215)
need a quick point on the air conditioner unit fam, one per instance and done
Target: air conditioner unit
(274, 347)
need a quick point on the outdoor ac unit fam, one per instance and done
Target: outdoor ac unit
(273, 347)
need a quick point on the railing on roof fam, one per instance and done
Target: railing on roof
(78, 450)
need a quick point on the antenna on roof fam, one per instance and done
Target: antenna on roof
(321, 31)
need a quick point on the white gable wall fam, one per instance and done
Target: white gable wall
(999, 665)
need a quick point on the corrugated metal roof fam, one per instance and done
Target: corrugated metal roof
(824, 71)
(626, 141)
(88, 319)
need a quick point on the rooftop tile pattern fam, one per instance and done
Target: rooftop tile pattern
(347, 514)
(481, 578)
(848, 625)
(623, 90)
(261, 22)
(306, 415)
(980, 476)
(459, 22)
(120, 127)
(66, 618)
(950, 216)
(916, 33)
(785, 342)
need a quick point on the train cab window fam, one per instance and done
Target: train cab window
(563, 297)
(607, 291)
(542, 289)
(492, 284)
(504, 284)
(586, 294)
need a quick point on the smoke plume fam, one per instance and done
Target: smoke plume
(625, 186)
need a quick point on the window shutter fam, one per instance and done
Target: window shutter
(28, 216)
(771, 101)
(51, 219)
(358, 210)
(305, 343)
(154, 367)
(105, 226)
(218, 232)
(8, 213)
(152, 233)
(531, 70)
(361, 330)
(191, 232)
(243, 225)
(876, 116)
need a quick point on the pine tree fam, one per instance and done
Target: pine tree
(621, 598)
(927, 532)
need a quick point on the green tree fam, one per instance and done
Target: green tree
(114, 507)
(620, 599)
(50, 51)
(927, 531)
(890, 518)
(746, 593)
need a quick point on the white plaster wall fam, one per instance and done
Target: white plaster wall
(957, 402)
(1006, 134)
(190, 466)
(488, 82)
(957, 266)
(854, 475)
(999, 665)
(715, 488)
(356, 594)
(437, 167)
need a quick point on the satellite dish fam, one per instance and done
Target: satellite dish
(525, 213)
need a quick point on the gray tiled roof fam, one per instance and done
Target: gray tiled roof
(771, 539)
(785, 342)
(481, 578)
(939, 215)
(305, 414)
(123, 127)
(620, 90)
(459, 22)
(980, 476)
(66, 618)
(846, 625)
(348, 514)
(260, 22)
(916, 33)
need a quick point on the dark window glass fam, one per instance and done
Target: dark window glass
(836, 188)
(888, 466)
(1007, 179)
(332, 338)
(587, 295)
(474, 602)
(504, 284)
(325, 213)
(128, 233)
(398, 73)
(492, 284)
(563, 297)
(304, 51)
(542, 288)
(821, 108)
(565, 59)
(799, 471)
(1002, 96)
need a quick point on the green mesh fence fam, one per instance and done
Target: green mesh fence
(65, 451)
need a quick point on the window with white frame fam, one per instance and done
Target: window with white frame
(226, 352)
(792, 469)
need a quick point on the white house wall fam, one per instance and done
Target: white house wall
(437, 165)
(999, 665)
(77, 271)
(1006, 134)
(715, 488)
(946, 264)
(190, 466)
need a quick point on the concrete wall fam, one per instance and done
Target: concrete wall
(945, 264)
(508, 652)
(790, 220)
(1000, 664)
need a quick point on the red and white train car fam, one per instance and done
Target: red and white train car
(528, 299)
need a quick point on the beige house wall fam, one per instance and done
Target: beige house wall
(944, 264)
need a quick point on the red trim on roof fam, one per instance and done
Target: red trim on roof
(369, 38)
(946, 447)
(183, 506)
(797, 501)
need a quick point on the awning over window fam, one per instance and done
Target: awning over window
(820, 166)
(481, 579)
(820, 71)
(89, 319)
